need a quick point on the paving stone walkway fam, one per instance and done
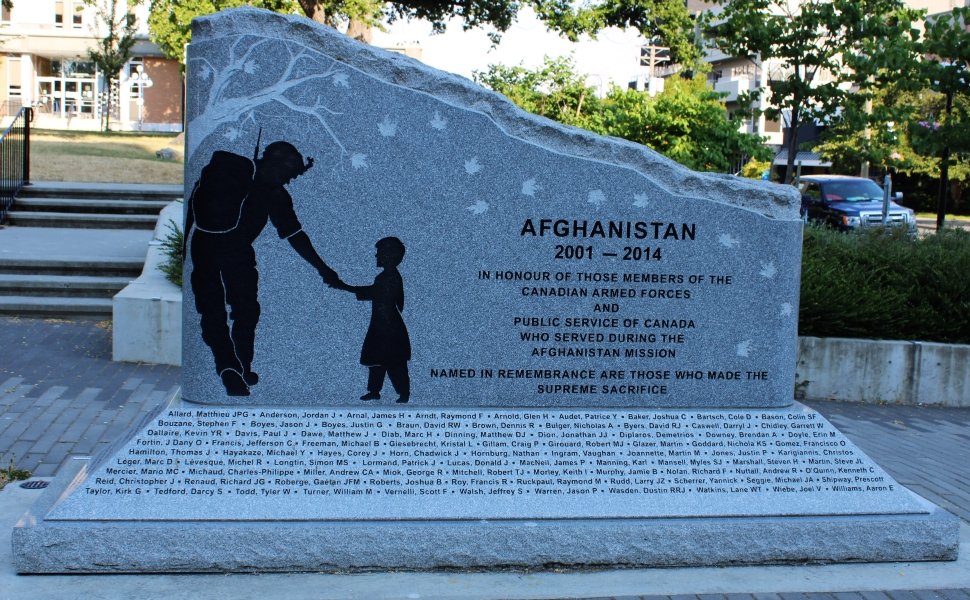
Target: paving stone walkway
(61, 394)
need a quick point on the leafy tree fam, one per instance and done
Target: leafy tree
(947, 45)
(170, 21)
(555, 91)
(915, 122)
(669, 23)
(114, 49)
(687, 122)
(830, 52)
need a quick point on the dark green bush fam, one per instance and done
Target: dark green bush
(173, 247)
(884, 285)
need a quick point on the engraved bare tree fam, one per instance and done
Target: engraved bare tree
(255, 74)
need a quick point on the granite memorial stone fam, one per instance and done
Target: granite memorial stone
(425, 329)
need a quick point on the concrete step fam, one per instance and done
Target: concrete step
(104, 191)
(80, 220)
(90, 205)
(73, 286)
(105, 267)
(55, 307)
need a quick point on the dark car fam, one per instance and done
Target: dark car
(850, 203)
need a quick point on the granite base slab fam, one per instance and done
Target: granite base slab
(84, 523)
(328, 546)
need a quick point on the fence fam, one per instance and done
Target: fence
(14, 159)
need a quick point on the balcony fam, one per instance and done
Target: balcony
(733, 87)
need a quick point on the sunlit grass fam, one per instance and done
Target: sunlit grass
(104, 157)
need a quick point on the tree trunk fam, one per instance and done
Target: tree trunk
(944, 170)
(107, 104)
(360, 31)
(314, 10)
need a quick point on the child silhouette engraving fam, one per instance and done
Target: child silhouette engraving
(387, 347)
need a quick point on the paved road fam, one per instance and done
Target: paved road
(62, 395)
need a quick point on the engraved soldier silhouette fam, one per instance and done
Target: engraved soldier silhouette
(229, 207)
(387, 347)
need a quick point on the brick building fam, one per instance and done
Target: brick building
(44, 64)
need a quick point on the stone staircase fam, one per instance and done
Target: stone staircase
(67, 249)
(91, 207)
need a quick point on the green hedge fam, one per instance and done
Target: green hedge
(882, 285)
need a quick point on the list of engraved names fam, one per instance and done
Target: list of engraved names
(456, 453)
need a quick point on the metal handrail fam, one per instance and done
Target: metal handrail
(15, 159)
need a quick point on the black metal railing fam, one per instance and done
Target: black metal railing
(14, 159)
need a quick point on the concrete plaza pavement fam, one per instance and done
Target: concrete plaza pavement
(60, 394)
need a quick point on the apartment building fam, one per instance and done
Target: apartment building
(43, 64)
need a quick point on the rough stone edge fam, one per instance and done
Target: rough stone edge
(774, 201)
(147, 313)
(221, 546)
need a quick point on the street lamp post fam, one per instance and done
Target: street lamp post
(141, 80)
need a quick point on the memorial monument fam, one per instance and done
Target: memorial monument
(424, 329)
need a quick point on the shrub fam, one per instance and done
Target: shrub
(173, 246)
(885, 285)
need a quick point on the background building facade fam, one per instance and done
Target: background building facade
(44, 64)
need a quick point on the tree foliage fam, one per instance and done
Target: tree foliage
(909, 127)
(114, 49)
(668, 23)
(555, 91)
(829, 52)
(170, 21)
(687, 122)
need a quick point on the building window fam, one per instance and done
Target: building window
(772, 125)
(67, 11)
(14, 89)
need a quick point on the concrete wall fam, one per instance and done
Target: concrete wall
(897, 372)
(147, 314)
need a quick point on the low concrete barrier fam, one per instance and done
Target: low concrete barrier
(874, 371)
(148, 312)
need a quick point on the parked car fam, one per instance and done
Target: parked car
(849, 203)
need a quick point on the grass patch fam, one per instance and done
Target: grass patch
(885, 285)
(115, 157)
(12, 473)
(949, 217)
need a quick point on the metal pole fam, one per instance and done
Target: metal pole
(887, 192)
(28, 117)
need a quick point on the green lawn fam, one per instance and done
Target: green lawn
(118, 157)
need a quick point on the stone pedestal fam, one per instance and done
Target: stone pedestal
(265, 489)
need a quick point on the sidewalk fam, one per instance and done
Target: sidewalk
(62, 395)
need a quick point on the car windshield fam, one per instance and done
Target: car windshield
(861, 190)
